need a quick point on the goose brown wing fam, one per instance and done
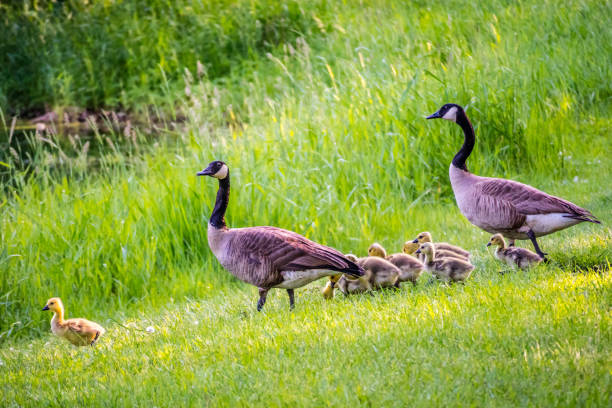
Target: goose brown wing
(289, 251)
(528, 200)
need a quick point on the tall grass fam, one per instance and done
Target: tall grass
(325, 136)
(108, 53)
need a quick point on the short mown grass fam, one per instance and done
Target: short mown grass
(323, 129)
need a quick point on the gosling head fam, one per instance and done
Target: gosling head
(426, 248)
(216, 169)
(377, 250)
(410, 247)
(422, 237)
(449, 112)
(498, 240)
(54, 304)
(333, 279)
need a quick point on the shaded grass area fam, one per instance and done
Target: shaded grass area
(108, 53)
(540, 337)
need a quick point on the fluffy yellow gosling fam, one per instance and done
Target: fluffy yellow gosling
(328, 290)
(513, 256)
(426, 237)
(349, 285)
(448, 269)
(80, 332)
(409, 267)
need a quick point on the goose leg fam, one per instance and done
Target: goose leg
(532, 237)
(291, 299)
(262, 298)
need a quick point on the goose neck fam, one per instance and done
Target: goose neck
(469, 139)
(217, 218)
(58, 316)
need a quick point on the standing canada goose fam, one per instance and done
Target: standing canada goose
(410, 268)
(513, 256)
(441, 246)
(448, 269)
(515, 210)
(268, 257)
(80, 332)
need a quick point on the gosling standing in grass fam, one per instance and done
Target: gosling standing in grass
(328, 290)
(513, 256)
(410, 268)
(441, 246)
(379, 273)
(448, 269)
(80, 332)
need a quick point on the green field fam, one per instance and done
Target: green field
(318, 108)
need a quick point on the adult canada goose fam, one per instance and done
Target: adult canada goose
(513, 256)
(448, 269)
(80, 332)
(410, 268)
(441, 246)
(268, 257)
(515, 210)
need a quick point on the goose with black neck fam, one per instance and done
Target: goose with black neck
(507, 207)
(268, 257)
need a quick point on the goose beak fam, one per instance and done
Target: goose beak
(415, 241)
(434, 116)
(489, 244)
(206, 172)
(45, 308)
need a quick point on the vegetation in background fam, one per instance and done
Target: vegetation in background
(323, 127)
(96, 54)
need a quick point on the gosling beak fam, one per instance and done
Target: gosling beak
(418, 251)
(434, 116)
(46, 307)
(489, 244)
(415, 241)
(333, 284)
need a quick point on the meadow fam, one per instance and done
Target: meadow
(318, 109)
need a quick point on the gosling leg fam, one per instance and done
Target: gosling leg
(291, 299)
(262, 298)
(532, 237)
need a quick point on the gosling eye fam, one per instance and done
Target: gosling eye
(51, 303)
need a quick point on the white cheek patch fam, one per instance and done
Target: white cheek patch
(451, 114)
(222, 173)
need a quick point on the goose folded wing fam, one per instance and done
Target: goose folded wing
(288, 251)
(528, 200)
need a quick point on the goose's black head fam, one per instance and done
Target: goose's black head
(216, 169)
(449, 111)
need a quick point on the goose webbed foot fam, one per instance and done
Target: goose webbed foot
(541, 253)
(262, 299)
(291, 299)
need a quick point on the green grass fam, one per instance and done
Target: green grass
(324, 133)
